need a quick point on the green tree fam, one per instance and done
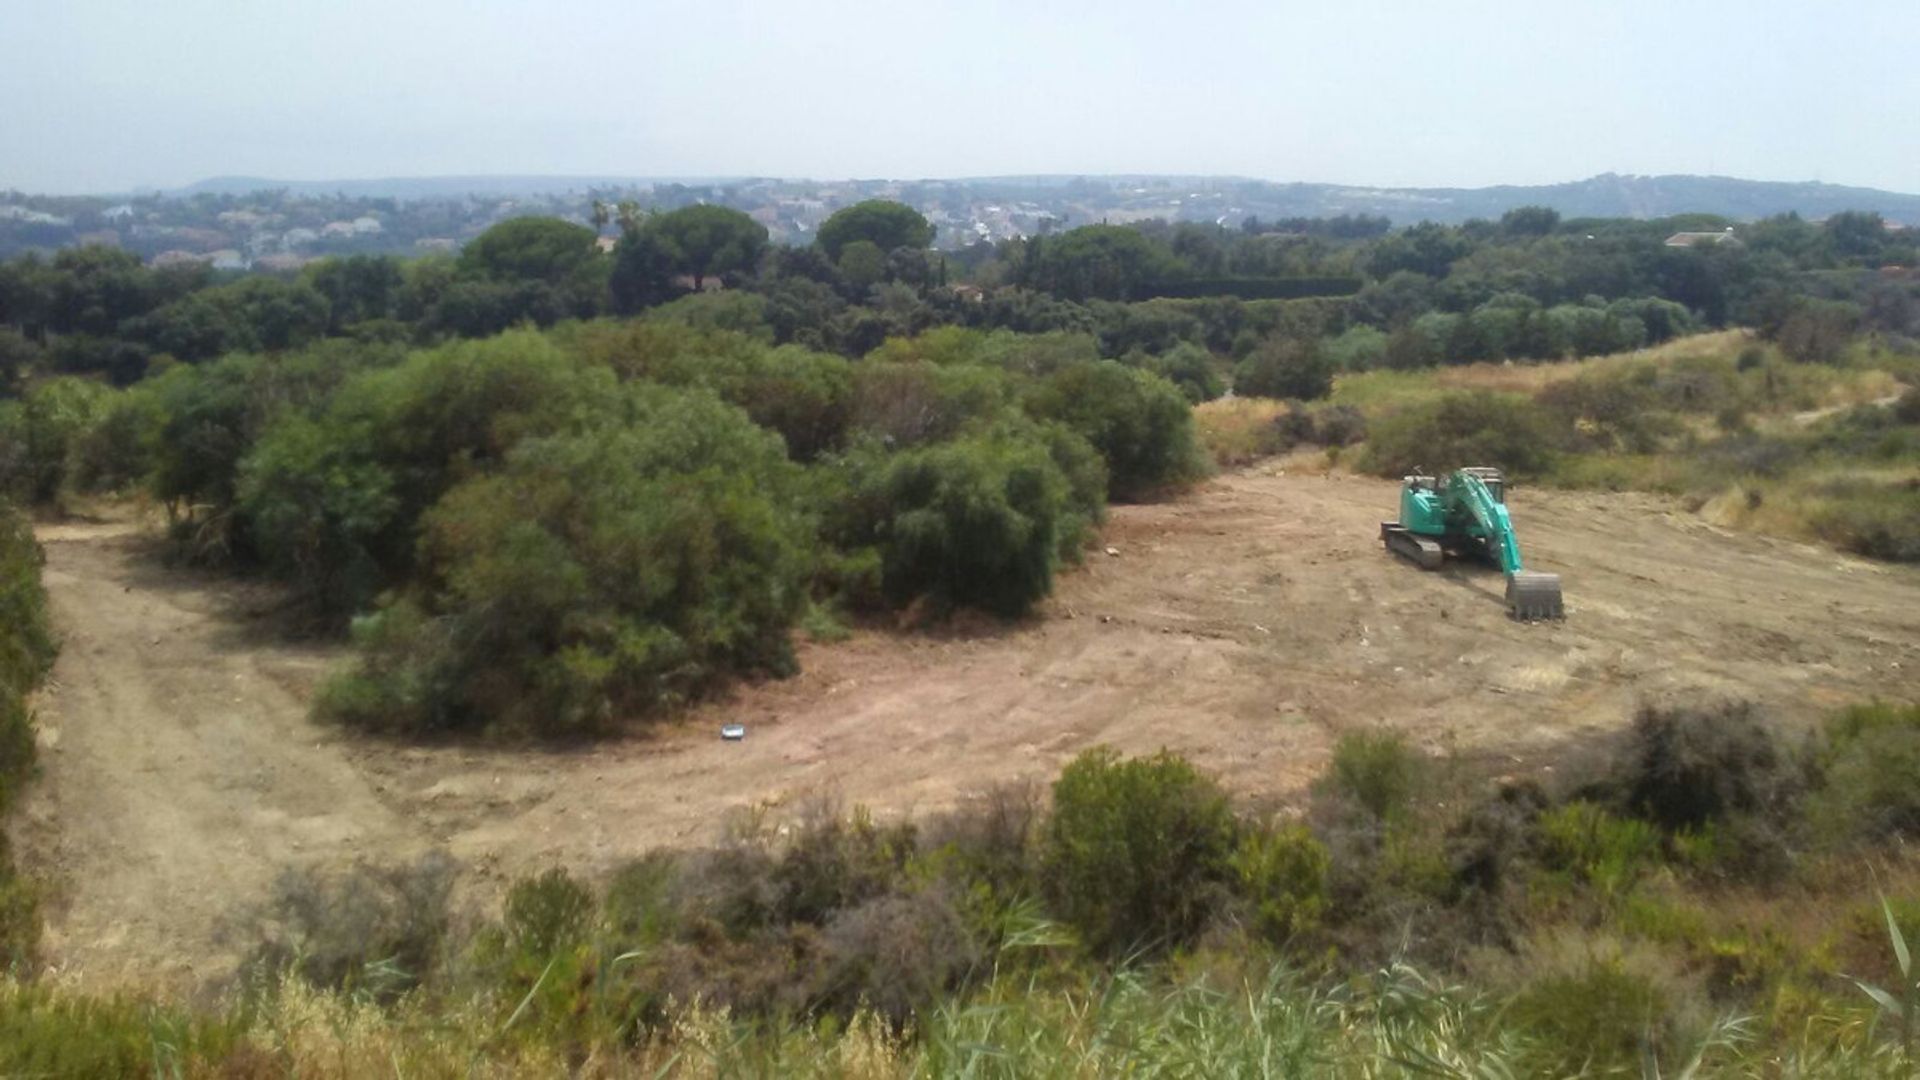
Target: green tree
(1141, 424)
(862, 265)
(596, 576)
(544, 251)
(1096, 262)
(1529, 221)
(702, 241)
(885, 224)
(529, 249)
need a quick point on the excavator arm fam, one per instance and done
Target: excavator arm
(1530, 595)
(1476, 500)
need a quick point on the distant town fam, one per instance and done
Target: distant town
(240, 224)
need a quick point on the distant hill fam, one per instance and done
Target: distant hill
(1609, 195)
(1228, 199)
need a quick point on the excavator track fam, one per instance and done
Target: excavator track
(1533, 596)
(1418, 550)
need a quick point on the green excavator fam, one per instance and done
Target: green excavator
(1465, 513)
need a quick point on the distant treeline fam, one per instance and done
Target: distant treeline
(871, 276)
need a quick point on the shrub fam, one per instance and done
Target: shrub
(623, 570)
(1377, 770)
(1610, 853)
(1137, 850)
(1283, 873)
(1906, 410)
(1460, 429)
(834, 861)
(38, 432)
(1285, 367)
(896, 954)
(547, 913)
(1138, 421)
(26, 645)
(1593, 1018)
(52, 1032)
(1360, 348)
(1867, 760)
(976, 522)
(26, 651)
(639, 907)
(912, 404)
(989, 844)
(1339, 425)
(379, 930)
(1191, 368)
(111, 453)
(1693, 766)
(1327, 425)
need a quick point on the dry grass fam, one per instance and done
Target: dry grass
(1386, 390)
(1235, 430)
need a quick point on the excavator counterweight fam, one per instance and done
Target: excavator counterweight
(1465, 512)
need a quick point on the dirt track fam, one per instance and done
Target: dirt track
(1245, 625)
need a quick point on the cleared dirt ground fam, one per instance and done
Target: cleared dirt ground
(1245, 625)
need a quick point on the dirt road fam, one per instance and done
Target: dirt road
(1245, 625)
(179, 773)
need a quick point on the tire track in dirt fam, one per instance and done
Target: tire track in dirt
(179, 773)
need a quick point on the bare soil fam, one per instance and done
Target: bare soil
(1245, 625)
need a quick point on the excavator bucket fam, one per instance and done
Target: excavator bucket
(1533, 596)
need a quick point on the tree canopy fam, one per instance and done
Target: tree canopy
(885, 224)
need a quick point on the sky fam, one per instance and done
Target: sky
(111, 95)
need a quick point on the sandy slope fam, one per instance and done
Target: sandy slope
(1245, 625)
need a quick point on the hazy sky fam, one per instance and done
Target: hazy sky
(99, 95)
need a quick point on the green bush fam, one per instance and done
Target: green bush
(976, 522)
(910, 404)
(592, 577)
(1867, 761)
(1610, 853)
(1285, 367)
(39, 432)
(1460, 429)
(49, 1032)
(1191, 368)
(26, 645)
(1138, 421)
(26, 651)
(1282, 872)
(1592, 1020)
(1377, 770)
(547, 913)
(806, 396)
(1137, 851)
(111, 453)
(332, 499)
